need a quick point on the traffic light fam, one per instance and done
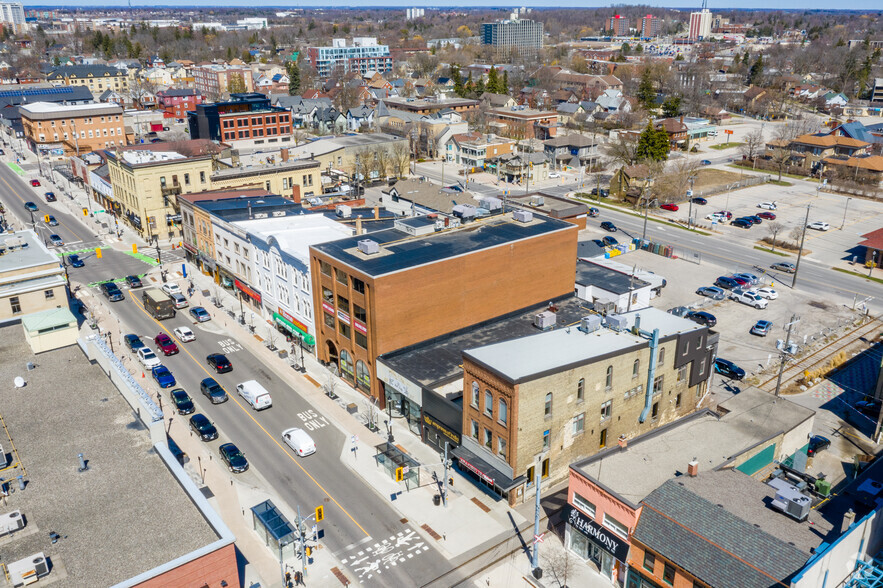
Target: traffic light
(85, 212)
(309, 551)
(400, 474)
(46, 218)
(98, 253)
(320, 513)
(134, 248)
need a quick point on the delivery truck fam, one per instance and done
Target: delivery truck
(158, 304)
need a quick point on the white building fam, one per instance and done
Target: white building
(13, 13)
(700, 24)
(412, 13)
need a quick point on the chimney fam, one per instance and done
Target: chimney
(682, 119)
(376, 213)
(295, 194)
(693, 468)
(848, 518)
(359, 225)
(623, 442)
(284, 153)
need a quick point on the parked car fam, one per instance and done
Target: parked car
(220, 362)
(728, 369)
(750, 278)
(134, 281)
(234, 458)
(171, 288)
(608, 226)
(603, 192)
(594, 211)
(112, 291)
(712, 292)
(52, 222)
(50, 197)
(30, 206)
(784, 266)
(725, 213)
(56, 240)
(213, 391)
(705, 162)
(35, 183)
(699, 200)
(669, 206)
(761, 328)
(726, 282)
(165, 344)
(179, 299)
(767, 293)
(554, 175)
(200, 314)
(701, 317)
(133, 342)
(75, 260)
(742, 223)
(818, 226)
(300, 441)
(767, 215)
(817, 443)
(184, 334)
(182, 401)
(754, 219)
(768, 205)
(147, 357)
(748, 297)
(609, 241)
(678, 311)
(203, 427)
(743, 283)
(869, 407)
(715, 216)
(163, 376)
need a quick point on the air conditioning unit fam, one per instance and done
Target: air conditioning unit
(368, 246)
(11, 522)
(590, 324)
(793, 503)
(616, 322)
(545, 320)
(28, 570)
(522, 216)
(344, 211)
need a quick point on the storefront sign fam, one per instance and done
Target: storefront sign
(189, 247)
(603, 538)
(293, 320)
(344, 317)
(328, 308)
(432, 422)
(360, 327)
(244, 288)
(475, 471)
(400, 384)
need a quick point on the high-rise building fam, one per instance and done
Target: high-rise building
(412, 13)
(649, 26)
(12, 13)
(700, 24)
(521, 35)
(362, 56)
(619, 25)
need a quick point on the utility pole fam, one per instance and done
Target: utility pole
(535, 561)
(794, 320)
(690, 209)
(445, 491)
(800, 251)
(646, 203)
(845, 208)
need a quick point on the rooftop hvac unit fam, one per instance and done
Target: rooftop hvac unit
(28, 570)
(545, 320)
(590, 324)
(368, 246)
(11, 522)
(793, 503)
(537, 201)
(491, 203)
(617, 322)
(344, 211)
(464, 211)
(522, 216)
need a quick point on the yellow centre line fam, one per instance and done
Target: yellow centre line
(250, 415)
(11, 189)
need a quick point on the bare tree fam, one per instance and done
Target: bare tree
(347, 97)
(780, 158)
(773, 229)
(401, 157)
(623, 150)
(672, 185)
(559, 564)
(797, 127)
(382, 161)
(796, 234)
(752, 144)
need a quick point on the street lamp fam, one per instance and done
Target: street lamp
(690, 209)
(845, 207)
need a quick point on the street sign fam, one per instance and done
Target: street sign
(99, 211)
(728, 132)
(538, 538)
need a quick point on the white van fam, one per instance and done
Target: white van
(300, 441)
(255, 394)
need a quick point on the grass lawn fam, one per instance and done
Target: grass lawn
(780, 183)
(725, 145)
(845, 271)
(768, 250)
(624, 210)
(707, 178)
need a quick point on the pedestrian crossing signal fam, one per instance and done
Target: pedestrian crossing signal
(46, 218)
(85, 212)
(320, 513)
(98, 253)
(309, 551)
(400, 474)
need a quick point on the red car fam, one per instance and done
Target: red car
(165, 344)
(669, 206)
(767, 215)
(725, 213)
(740, 281)
(35, 183)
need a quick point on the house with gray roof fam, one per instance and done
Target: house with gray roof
(360, 117)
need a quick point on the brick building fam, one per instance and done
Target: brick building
(619, 25)
(61, 130)
(246, 120)
(177, 101)
(534, 405)
(410, 284)
(213, 80)
(97, 78)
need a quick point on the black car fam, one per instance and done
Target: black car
(728, 369)
(698, 200)
(50, 197)
(608, 226)
(603, 192)
(742, 223)
(182, 401)
(134, 281)
(726, 282)
(817, 443)
(701, 317)
(234, 458)
(133, 342)
(112, 291)
(594, 211)
(213, 391)
(755, 220)
(203, 427)
(609, 241)
(220, 362)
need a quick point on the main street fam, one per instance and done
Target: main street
(355, 515)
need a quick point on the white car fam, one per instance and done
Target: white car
(768, 205)
(714, 217)
(554, 175)
(148, 358)
(767, 293)
(818, 226)
(171, 288)
(179, 300)
(300, 441)
(184, 335)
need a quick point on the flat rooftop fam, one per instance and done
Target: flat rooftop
(46, 108)
(127, 514)
(400, 251)
(139, 157)
(518, 361)
(753, 416)
(294, 234)
(439, 361)
(590, 274)
(16, 256)
(254, 170)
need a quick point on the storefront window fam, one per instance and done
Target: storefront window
(363, 376)
(346, 365)
(361, 340)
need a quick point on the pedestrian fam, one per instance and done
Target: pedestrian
(299, 578)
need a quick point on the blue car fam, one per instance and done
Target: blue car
(163, 376)
(75, 261)
(200, 314)
(728, 369)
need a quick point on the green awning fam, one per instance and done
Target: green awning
(295, 330)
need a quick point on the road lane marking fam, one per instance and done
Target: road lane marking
(248, 412)
(11, 189)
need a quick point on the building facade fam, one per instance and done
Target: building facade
(700, 25)
(649, 26)
(59, 130)
(295, 178)
(246, 120)
(362, 56)
(31, 277)
(177, 102)
(97, 78)
(12, 14)
(514, 35)
(213, 81)
(619, 25)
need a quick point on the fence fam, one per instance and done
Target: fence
(743, 183)
(670, 251)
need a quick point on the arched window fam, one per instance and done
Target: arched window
(608, 383)
(636, 368)
(581, 389)
(475, 392)
(488, 403)
(363, 376)
(346, 365)
(502, 412)
(548, 409)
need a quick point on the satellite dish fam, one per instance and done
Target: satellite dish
(19, 382)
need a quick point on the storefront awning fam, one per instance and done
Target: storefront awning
(242, 287)
(485, 471)
(294, 329)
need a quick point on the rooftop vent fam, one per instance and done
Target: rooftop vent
(616, 322)
(522, 216)
(537, 200)
(344, 211)
(792, 502)
(590, 324)
(545, 320)
(369, 247)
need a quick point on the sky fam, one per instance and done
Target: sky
(875, 5)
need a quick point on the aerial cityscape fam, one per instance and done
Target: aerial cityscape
(436, 296)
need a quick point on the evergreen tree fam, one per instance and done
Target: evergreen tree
(493, 80)
(672, 106)
(293, 78)
(457, 78)
(505, 82)
(480, 88)
(646, 93)
(756, 71)
(652, 144)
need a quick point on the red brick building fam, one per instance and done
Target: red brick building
(246, 120)
(177, 101)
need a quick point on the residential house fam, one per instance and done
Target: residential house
(360, 118)
(559, 96)
(572, 150)
(328, 120)
(569, 112)
(491, 100)
(753, 94)
(678, 136)
(521, 168)
(631, 180)
(524, 123)
(473, 150)
(178, 101)
(110, 96)
(808, 151)
(613, 101)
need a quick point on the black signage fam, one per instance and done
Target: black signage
(603, 538)
(445, 431)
